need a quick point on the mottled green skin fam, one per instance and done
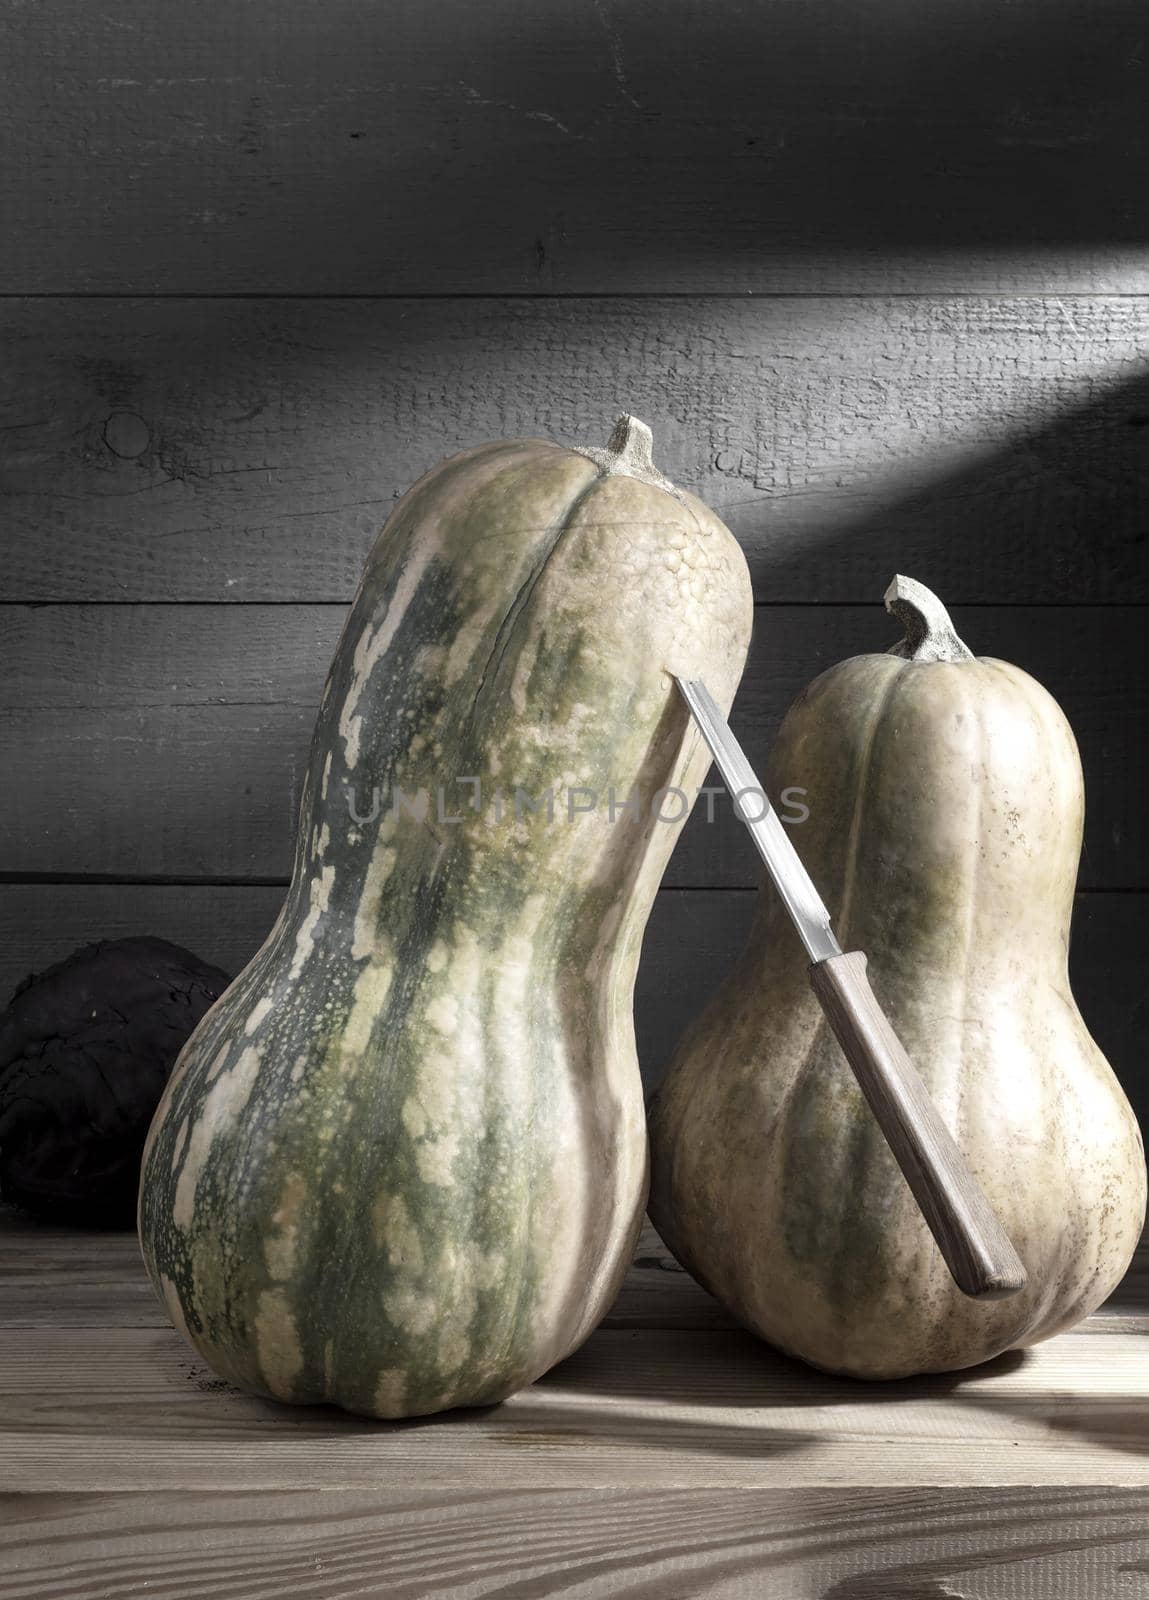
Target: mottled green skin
(944, 833)
(401, 1164)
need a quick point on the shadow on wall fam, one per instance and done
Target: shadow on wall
(1060, 513)
(986, 451)
(567, 145)
(1086, 473)
(1086, 478)
(820, 127)
(587, 143)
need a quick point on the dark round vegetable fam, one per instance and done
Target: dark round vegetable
(85, 1051)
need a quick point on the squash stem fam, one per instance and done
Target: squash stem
(929, 633)
(632, 445)
(628, 452)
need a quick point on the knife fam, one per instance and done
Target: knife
(973, 1243)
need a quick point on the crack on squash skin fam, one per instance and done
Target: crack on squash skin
(771, 1179)
(443, 1013)
(526, 589)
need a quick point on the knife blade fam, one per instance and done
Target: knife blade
(981, 1259)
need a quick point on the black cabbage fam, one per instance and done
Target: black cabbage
(86, 1048)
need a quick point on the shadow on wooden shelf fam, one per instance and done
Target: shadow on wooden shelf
(93, 1381)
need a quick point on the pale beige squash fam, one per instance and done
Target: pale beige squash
(946, 804)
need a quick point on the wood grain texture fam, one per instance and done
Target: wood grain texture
(56, 1277)
(816, 1544)
(574, 145)
(171, 740)
(132, 1408)
(691, 941)
(224, 450)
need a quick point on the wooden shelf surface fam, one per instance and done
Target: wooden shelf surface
(96, 1388)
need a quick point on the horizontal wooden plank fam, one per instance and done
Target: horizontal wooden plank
(56, 1277)
(171, 741)
(235, 450)
(132, 1408)
(573, 144)
(691, 941)
(52, 1276)
(233, 777)
(806, 1544)
(225, 925)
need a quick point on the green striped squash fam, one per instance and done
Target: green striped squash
(945, 806)
(401, 1164)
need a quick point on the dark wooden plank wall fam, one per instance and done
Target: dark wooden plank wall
(194, 448)
(876, 274)
(562, 146)
(91, 695)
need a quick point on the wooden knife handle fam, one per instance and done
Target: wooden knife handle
(979, 1255)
